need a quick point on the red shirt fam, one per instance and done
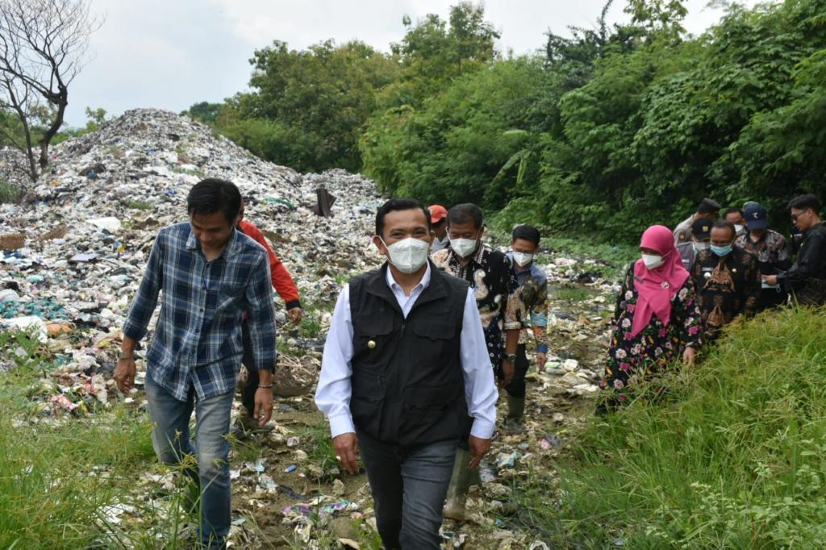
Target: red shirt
(281, 279)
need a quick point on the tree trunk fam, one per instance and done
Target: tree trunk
(61, 100)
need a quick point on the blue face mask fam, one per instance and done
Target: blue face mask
(721, 250)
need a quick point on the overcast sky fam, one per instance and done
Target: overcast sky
(170, 54)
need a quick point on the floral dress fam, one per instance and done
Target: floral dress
(631, 359)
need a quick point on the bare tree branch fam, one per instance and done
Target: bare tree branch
(43, 44)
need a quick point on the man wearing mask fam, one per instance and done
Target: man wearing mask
(772, 254)
(438, 217)
(806, 279)
(700, 237)
(727, 280)
(533, 293)
(494, 283)
(707, 209)
(737, 217)
(405, 361)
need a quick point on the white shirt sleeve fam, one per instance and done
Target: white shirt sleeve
(480, 389)
(334, 387)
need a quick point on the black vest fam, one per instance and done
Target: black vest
(407, 383)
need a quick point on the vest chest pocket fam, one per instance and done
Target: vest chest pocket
(435, 331)
(370, 336)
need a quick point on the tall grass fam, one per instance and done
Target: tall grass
(733, 457)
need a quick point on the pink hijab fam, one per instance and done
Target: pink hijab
(657, 287)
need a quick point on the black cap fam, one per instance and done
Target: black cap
(701, 229)
(708, 206)
(756, 217)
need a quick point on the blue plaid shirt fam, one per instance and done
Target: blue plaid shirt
(197, 339)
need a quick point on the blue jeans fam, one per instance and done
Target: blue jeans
(171, 439)
(409, 485)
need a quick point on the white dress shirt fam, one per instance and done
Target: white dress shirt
(334, 387)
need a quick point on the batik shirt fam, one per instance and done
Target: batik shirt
(533, 293)
(771, 251)
(491, 276)
(727, 286)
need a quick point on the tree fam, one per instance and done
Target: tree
(42, 49)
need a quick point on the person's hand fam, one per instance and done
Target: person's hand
(263, 405)
(770, 280)
(689, 356)
(294, 315)
(347, 451)
(478, 449)
(541, 359)
(507, 373)
(125, 374)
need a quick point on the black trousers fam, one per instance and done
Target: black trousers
(251, 385)
(520, 368)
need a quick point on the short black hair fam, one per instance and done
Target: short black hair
(804, 202)
(527, 233)
(399, 204)
(733, 211)
(212, 195)
(464, 213)
(708, 206)
(723, 224)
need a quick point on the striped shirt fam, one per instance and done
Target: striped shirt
(197, 341)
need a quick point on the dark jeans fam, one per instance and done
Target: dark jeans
(517, 386)
(409, 486)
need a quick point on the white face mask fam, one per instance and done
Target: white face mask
(464, 247)
(408, 255)
(699, 246)
(522, 258)
(653, 261)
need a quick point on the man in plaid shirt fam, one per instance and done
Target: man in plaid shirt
(209, 274)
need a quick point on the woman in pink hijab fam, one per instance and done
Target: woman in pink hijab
(657, 319)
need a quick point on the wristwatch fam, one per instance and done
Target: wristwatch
(511, 357)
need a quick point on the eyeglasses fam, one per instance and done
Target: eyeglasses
(795, 216)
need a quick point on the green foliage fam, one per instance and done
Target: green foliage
(614, 128)
(9, 193)
(732, 457)
(307, 106)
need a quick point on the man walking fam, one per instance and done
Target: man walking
(207, 275)
(806, 279)
(494, 283)
(284, 285)
(405, 361)
(727, 280)
(772, 254)
(533, 293)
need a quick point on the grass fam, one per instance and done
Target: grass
(321, 450)
(9, 193)
(733, 457)
(60, 476)
(138, 205)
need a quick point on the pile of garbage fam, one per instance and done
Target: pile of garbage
(73, 255)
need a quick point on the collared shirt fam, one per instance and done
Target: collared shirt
(682, 233)
(728, 287)
(771, 251)
(533, 293)
(438, 245)
(495, 287)
(197, 340)
(334, 385)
